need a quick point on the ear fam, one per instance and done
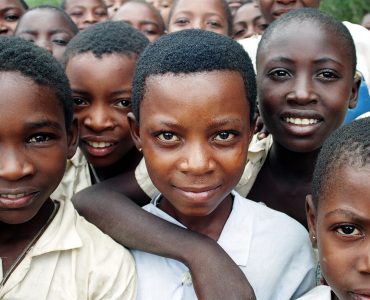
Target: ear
(134, 130)
(72, 139)
(355, 91)
(253, 127)
(311, 219)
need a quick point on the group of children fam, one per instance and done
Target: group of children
(170, 125)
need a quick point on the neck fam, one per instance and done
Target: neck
(14, 232)
(210, 225)
(126, 164)
(292, 164)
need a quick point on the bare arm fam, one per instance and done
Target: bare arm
(135, 228)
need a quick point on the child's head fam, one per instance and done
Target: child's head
(194, 96)
(338, 212)
(100, 64)
(248, 21)
(113, 6)
(85, 12)
(236, 4)
(366, 21)
(143, 16)
(48, 27)
(274, 9)
(10, 13)
(37, 135)
(305, 88)
(211, 15)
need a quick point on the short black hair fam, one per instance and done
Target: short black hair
(348, 146)
(155, 11)
(19, 55)
(193, 51)
(225, 7)
(64, 2)
(62, 12)
(316, 18)
(109, 37)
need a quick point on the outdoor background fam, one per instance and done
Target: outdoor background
(344, 10)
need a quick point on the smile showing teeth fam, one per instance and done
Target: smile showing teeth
(12, 196)
(299, 121)
(99, 144)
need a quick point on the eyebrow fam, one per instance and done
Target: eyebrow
(44, 124)
(215, 123)
(346, 213)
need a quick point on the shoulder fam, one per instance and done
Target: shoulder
(321, 292)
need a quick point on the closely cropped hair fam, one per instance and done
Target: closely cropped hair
(348, 146)
(316, 18)
(110, 37)
(193, 51)
(225, 7)
(64, 15)
(19, 55)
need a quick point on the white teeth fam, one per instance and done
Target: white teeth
(299, 121)
(12, 196)
(99, 144)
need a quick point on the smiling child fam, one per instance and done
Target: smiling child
(100, 63)
(53, 33)
(47, 251)
(338, 213)
(196, 165)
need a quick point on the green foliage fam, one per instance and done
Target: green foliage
(346, 10)
(33, 3)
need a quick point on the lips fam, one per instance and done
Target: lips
(279, 12)
(301, 123)
(98, 146)
(196, 194)
(360, 295)
(16, 199)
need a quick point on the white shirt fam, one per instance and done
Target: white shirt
(321, 292)
(72, 260)
(272, 250)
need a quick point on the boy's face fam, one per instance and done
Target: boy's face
(142, 18)
(34, 147)
(274, 9)
(102, 97)
(195, 140)
(52, 34)
(194, 14)
(247, 22)
(10, 13)
(304, 88)
(341, 224)
(86, 12)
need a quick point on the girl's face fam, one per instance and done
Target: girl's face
(194, 165)
(86, 12)
(273, 9)
(141, 17)
(341, 225)
(10, 13)
(101, 90)
(304, 88)
(206, 14)
(247, 22)
(52, 34)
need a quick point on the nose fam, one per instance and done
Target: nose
(90, 17)
(46, 44)
(14, 164)
(98, 119)
(363, 263)
(302, 92)
(248, 32)
(197, 159)
(198, 24)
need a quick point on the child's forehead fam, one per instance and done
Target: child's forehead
(10, 3)
(196, 5)
(52, 19)
(83, 3)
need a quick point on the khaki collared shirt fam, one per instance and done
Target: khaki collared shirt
(72, 260)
